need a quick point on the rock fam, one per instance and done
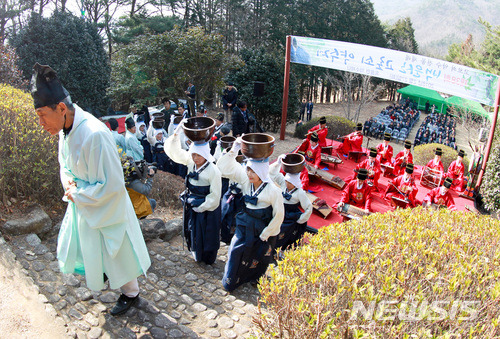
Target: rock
(158, 333)
(33, 240)
(152, 229)
(175, 333)
(199, 307)
(83, 293)
(36, 221)
(172, 228)
(71, 280)
(94, 333)
(162, 321)
(75, 314)
(213, 333)
(226, 322)
(187, 299)
(191, 276)
(109, 297)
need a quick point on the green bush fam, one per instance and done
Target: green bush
(433, 270)
(337, 126)
(422, 154)
(490, 188)
(28, 155)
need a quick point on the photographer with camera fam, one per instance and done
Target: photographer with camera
(139, 182)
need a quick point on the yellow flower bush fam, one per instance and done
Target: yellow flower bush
(413, 273)
(28, 155)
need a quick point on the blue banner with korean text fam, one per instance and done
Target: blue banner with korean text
(397, 66)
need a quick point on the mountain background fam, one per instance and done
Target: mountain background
(439, 23)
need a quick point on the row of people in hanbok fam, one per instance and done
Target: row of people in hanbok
(263, 215)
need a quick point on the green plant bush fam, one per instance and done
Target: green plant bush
(422, 154)
(337, 126)
(410, 258)
(28, 155)
(490, 188)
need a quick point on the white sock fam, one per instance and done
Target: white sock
(131, 289)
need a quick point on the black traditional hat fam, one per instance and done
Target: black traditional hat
(373, 152)
(409, 168)
(220, 116)
(407, 144)
(359, 126)
(438, 151)
(448, 182)
(314, 137)
(387, 137)
(113, 124)
(362, 174)
(322, 120)
(225, 130)
(461, 153)
(230, 83)
(130, 123)
(46, 88)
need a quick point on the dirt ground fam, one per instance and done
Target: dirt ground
(22, 312)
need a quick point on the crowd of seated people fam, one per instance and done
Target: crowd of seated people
(397, 120)
(437, 128)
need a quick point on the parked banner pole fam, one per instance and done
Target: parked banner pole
(285, 87)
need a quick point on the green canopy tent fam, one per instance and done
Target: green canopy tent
(422, 95)
(468, 105)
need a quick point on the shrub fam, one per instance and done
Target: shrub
(28, 155)
(337, 126)
(426, 265)
(166, 190)
(422, 154)
(491, 184)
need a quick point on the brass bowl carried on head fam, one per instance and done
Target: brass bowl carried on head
(257, 145)
(158, 115)
(293, 163)
(177, 119)
(227, 141)
(158, 123)
(199, 129)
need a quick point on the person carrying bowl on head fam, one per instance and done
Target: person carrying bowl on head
(295, 221)
(201, 199)
(257, 225)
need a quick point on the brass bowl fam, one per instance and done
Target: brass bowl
(158, 115)
(257, 145)
(177, 119)
(158, 123)
(199, 129)
(293, 163)
(227, 141)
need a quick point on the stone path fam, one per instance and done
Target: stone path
(179, 298)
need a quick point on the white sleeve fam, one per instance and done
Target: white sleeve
(150, 135)
(278, 214)
(212, 200)
(173, 149)
(306, 204)
(275, 175)
(232, 169)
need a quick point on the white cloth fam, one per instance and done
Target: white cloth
(203, 150)
(134, 147)
(158, 131)
(131, 289)
(100, 230)
(269, 196)
(210, 176)
(261, 168)
(298, 196)
(294, 179)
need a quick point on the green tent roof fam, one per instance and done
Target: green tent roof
(421, 92)
(468, 105)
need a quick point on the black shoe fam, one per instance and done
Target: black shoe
(123, 304)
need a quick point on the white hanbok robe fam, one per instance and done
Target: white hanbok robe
(100, 232)
(134, 147)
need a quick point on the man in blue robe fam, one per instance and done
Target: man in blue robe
(100, 236)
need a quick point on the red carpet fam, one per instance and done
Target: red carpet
(332, 195)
